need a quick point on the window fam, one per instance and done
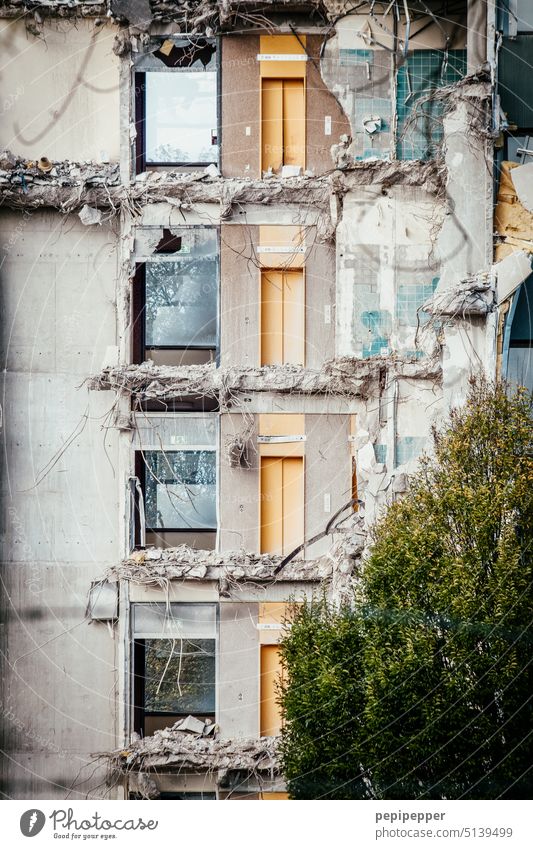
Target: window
(179, 489)
(516, 145)
(186, 796)
(176, 105)
(175, 301)
(282, 504)
(174, 663)
(519, 337)
(282, 317)
(514, 64)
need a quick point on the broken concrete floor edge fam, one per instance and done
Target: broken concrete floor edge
(344, 376)
(178, 750)
(158, 567)
(69, 186)
(212, 15)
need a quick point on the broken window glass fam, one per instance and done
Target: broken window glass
(175, 621)
(175, 662)
(181, 118)
(181, 293)
(179, 676)
(180, 490)
(175, 303)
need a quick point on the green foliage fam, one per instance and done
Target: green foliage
(423, 688)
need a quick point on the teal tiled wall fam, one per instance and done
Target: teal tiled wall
(424, 71)
(409, 298)
(409, 448)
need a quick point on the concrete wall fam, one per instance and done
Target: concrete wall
(59, 497)
(238, 686)
(328, 475)
(61, 91)
(239, 499)
(386, 268)
(241, 119)
(240, 296)
(240, 106)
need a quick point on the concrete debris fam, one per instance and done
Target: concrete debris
(337, 569)
(70, 185)
(197, 16)
(62, 185)
(193, 725)
(182, 750)
(345, 376)
(510, 272)
(122, 43)
(522, 178)
(156, 567)
(38, 9)
(147, 787)
(474, 296)
(136, 12)
(7, 161)
(90, 215)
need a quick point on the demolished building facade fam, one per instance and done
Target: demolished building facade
(249, 260)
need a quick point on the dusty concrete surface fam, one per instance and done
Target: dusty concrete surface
(344, 376)
(179, 749)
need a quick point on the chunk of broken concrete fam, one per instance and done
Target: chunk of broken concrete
(290, 171)
(7, 161)
(511, 272)
(522, 178)
(212, 171)
(90, 215)
(191, 725)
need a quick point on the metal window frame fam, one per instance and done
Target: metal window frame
(137, 712)
(139, 110)
(138, 302)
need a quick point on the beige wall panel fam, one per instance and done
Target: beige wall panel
(239, 492)
(319, 103)
(239, 296)
(241, 100)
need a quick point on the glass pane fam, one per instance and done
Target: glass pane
(514, 144)
(180, 489)
(180, 676)
(181, 294)
(179, 431)
(183, 620)
(181, 117)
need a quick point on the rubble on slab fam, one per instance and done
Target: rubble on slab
(68, 186)
(157, 566)
(176, 748)
(205, 16)
(344, 376)
(473, 296)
